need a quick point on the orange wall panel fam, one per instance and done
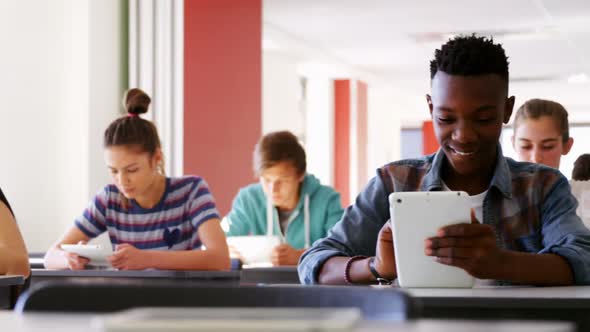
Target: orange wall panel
(429, 143)
(342, 139)
(362, 133)
(222, 93)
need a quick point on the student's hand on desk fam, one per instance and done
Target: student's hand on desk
(471, 247)
(284, 254)
(127, 257)
(74, 261)
(385, 256)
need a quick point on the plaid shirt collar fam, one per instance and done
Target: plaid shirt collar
(501, 180)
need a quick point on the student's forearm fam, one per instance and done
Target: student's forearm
(189, 260)
(332, 272)
(536, 269)
(14, 263)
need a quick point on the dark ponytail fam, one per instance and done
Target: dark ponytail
(132, 130)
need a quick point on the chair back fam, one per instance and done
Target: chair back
(374, 304)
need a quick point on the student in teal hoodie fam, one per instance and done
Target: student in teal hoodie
(300, 209)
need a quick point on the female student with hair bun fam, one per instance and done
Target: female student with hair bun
(13, 253)
(153, 221)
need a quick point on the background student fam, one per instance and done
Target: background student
(581, 187)
(13, 253)
(525, 230)
(581, 171)
(153, 221)
(541, 132)
(302, 209)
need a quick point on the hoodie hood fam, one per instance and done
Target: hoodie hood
(310, 185)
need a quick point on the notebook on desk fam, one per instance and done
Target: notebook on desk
(230, 319)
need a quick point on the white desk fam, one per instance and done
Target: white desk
(10, 321)
(569, 292)
(8, 289)
(269, 275)
(11, 280)
(108, 275)
(531, 303)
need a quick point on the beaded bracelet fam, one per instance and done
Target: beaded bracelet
(347, 268)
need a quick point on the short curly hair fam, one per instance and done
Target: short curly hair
(470, 56)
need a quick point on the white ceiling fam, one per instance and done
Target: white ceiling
(547, 41)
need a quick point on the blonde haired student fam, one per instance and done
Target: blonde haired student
(153, 221)
(13, 253)
(541, 132)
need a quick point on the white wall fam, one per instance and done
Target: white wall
(311, 119)
(385, 110)
(108, 79)
(55, 87)
(387, 106)
(320, 126)
(281, 94)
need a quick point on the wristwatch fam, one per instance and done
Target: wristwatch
(380, 279)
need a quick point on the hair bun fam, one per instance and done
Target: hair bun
(136, 101)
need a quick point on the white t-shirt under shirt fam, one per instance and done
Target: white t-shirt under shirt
(476, 202)
(477, 206)
(581, 190)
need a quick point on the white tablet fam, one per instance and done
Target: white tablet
(97, 254)
(416, 216)
(254, 249)
(230, 319)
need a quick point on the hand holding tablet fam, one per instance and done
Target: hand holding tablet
(471, 247)
(97, 254)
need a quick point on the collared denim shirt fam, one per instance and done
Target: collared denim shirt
(530, 207)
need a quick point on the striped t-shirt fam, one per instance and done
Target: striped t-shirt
(170, 225)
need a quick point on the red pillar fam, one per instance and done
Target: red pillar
(362, 127)
(342, 139)
(222, 93)
(350, 118)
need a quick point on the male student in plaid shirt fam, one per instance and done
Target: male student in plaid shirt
(524, 229)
